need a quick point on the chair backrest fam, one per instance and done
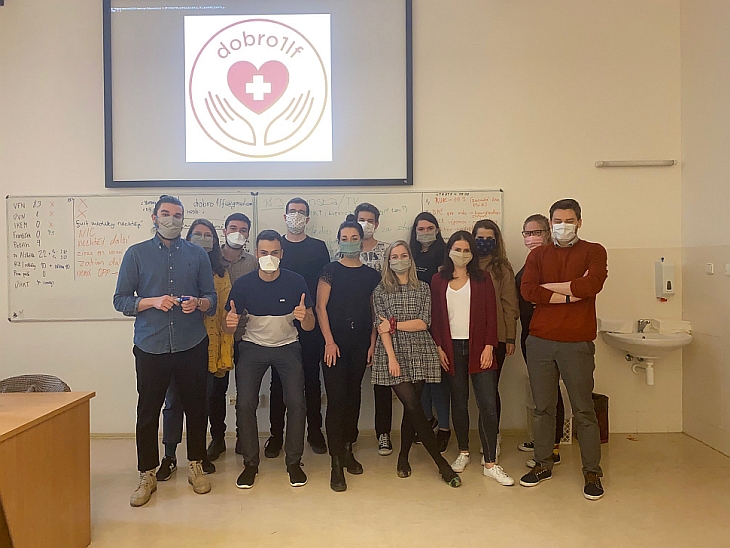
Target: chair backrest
(33, 383)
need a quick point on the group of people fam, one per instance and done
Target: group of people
(427, 316)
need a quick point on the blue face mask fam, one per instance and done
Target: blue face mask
(486, 246)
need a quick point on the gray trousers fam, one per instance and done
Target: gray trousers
(253, 362)
(547, 361)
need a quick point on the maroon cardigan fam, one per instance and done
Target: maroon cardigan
(482, 320)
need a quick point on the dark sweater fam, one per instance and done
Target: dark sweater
(584, 265)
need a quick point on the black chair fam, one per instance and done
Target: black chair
(33, 383)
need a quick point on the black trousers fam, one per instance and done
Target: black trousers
(217, 391)
(343, 383)
(383, 409)
(312, 343)
(189, 370)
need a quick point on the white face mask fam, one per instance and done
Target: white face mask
(368, 229)
(564, 233)
(236, 240)
(295, 222)
(269, 263)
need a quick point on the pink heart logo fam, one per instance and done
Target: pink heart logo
(258, 89)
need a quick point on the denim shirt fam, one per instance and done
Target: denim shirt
(151, 269)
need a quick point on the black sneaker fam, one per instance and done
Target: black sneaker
(297, 477)
(316, 441)
(385, 447)
(215, 449)
(168, 466)
(350, 462)
(593, 489)
(247, 477)
(535, 476)
(272, 447)
(208, 467)
(526, 446)
(443, 437)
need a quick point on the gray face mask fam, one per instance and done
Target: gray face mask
(169, 228)
(351, 249)
(206, 242)
(400, 265)
(426, 237)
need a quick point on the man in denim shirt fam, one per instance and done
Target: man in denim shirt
(167, 284)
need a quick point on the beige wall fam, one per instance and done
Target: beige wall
(520, 95)
(705, 223)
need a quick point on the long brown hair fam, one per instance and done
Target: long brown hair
(390, 278)
(499, 255)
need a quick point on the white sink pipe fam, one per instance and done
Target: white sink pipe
(646, 365)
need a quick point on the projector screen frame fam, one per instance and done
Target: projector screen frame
(111, 182)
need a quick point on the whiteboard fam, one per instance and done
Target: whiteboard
(64, 252)
(454, 211)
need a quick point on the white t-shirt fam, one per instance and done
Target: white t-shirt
(458, 304)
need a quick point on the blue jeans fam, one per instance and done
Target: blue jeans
(436, 396)
(485, 392)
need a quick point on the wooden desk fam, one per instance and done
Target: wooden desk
(45, 479)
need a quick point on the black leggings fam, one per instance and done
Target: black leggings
(415, 421)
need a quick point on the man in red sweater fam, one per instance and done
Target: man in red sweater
(563, 280)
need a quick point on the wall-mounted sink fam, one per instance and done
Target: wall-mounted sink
(648, 346)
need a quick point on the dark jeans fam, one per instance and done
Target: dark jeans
(188, 369)
(343, 383)
(485, 392)
(547, 361)
(312, 344)
(253, 363)
(383, 409)
(436, 396)
(500, 354)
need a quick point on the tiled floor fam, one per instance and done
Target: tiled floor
(663, 490)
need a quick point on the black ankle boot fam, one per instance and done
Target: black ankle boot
(352, 466)
(337, 478)
(403, 467)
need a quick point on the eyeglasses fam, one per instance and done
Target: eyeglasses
(528, 233)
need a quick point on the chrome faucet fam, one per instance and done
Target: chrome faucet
(642, 325)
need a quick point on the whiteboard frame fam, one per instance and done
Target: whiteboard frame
(254, 228)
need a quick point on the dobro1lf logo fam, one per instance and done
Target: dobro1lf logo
(258, 88)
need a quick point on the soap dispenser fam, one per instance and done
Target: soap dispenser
(664, 279)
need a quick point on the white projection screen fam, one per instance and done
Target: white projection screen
(258, 93)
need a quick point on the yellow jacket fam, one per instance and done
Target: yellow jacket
(220, 345)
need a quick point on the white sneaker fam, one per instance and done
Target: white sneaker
(498, 474)
(196, 478)
(147, 486)
(461, 462)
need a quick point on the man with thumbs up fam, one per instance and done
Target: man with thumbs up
(274, 299)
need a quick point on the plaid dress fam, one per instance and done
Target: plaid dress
(416, 352)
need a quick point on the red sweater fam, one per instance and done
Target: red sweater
(574, 322)
(482, 320)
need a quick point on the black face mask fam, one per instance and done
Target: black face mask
(486, 246)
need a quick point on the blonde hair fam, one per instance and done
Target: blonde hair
(390, 278)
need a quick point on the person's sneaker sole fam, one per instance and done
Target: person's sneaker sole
(247, 485)
(524, 449)
(539, 481)
(592, 497)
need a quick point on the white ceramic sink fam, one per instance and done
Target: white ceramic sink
(648, 346)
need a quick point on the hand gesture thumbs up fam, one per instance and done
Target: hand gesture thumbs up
(232, 317)
(300, 311)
